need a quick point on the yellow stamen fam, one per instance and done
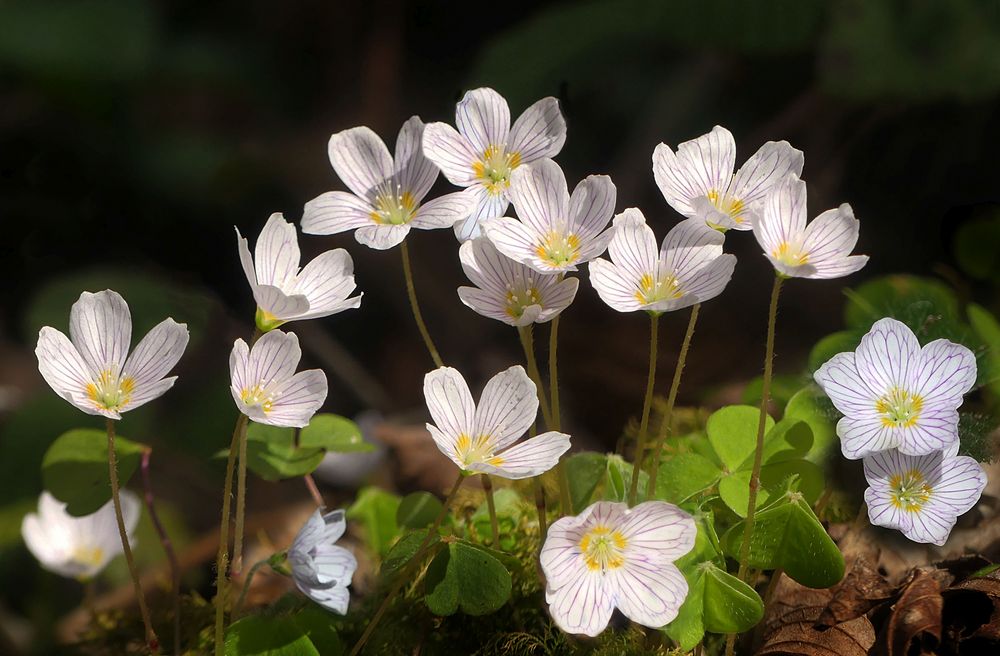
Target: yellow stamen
(494, 168)
(109, 392)
(909, 491)
(558, 249)
(652, 291)
(258, 395)
(899, 408)
(603, 548)
(790, 255)
(479, 449)
(519, 299)
(728, 205)
(87, 556)
(393, 206)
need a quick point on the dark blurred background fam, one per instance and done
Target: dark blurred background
(135, 134)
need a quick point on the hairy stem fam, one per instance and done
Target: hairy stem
(527, 334)
(415, 306)
(407, 574)
(647, 403)
(566, 506)
(668, 413)
(222, 558)
(246, 586)
(168, 547)
(492, 507)
(152, 642)
(241, 488)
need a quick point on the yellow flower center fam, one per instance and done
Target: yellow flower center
(558, 249)
(652, 291)
(790, 255)
(603, 548)
(519, 299)
(87, 556)
(909, 491)
(899, 408)
(480, 449)
(109, 392)
(258, 395)
(393, 207)
(731, 207)
(494, 168)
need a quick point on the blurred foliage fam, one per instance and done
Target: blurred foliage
(75, 468)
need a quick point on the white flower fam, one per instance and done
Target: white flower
(896, 395)
(78, 547)
(922, 496)
(818, 250)
(282, 292)
(485, 150)
(483, 439)
(509, 291)
(320, 569)
(611, 557)
(556, 231)
(387, 191)
(698, 180)
(265, 385)
(92, 369)
(689, 268)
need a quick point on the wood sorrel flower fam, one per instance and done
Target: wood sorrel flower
(922, 496)
(483, 439)
(698, 180)
(321, 569)
(485, 150)
(509, 291)
(689, 268)
(282, 292)
(265, 385)
(386, 192)
(896, 395)
(77, 547)
(820, 249)
(556, 231)
(610, 556)
(92, 369)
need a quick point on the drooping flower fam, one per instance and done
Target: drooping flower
(610, 556)
(386, 193)
(922, 496)
(78, 547)
(92, 368)
(820, 249)
(284, 293)
(485, 150)
(896, 395)
(509, 291)
(483, 439)
(698, 180)
(556, 232)
(265, 385)
(689, 267)
(321, 569)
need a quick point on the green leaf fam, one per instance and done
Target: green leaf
(787, 535)
(467, 578)
(790, 439)
(688, 628)
(619, 478)
(418, 510)
(376, 510)
(684, 475)
(333, 433)
(811, 406)
(508, 507)
(829, 346)
(258, 635)
(316, 623)
(75, 468)
(987, 328)
(735, 488)
(732, 430)
(584, 470)
(404, 550)
(905, 297)
(272, 454)
(782, 388)
(731, 606)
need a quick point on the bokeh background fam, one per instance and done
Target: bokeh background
(135, 134)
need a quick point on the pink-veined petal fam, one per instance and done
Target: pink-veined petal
(529, 458)
(864, 435)
(100, 327)
(886, 355)
(273, 359)
(959, 485)
(507, 407)
(445, 211)
(276, 254)
(335, 212)
(649, 593)
(765, 169)
(582, 606)
(849, 391)
(698, 167)
(689, 247)
(483, 117)
(615, 286)
(64, 369)
(704, 284)
(633, 246)
(361, 160)
(541, 197)
(327, 282)
(414, 173)
(557, 298)
(154, 356)
(486, 206)
(783, 218)
(944, 373)
(381, 237)
(450, 402)
(515, 240)
(658, 531)
(297, 400)
(592, 205)
(450, 152)
(539, 132)
(283, 306)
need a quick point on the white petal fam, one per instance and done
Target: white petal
(489, 305)
(690, 246)
(658, 531)
(273, 358)
(832, 268)
(284, 306)
(615, 286)
(848, 390)
(864, 435)
(936, 429)
(276, 255)
(886, 355)
(539, 132)
(557, 298)
(883, 512)
(153, 358)
(765, 169)
(361, 160)
(449, 402)
(507, 407)
(560, 557)
(529, 458)
(487, 205)
(335, 212)
(450, 152)
(246, 260)
(960, 484)
(647, 593)
(446, 211)
(335, 598)
(100, 327)
(706, 283)
(783, 219)
(487, 268)
(831, 235)
(582, 606)
(483, 117)
(296, 401)
(335, 564)
(592, 205)
(699, 166)
(312, 532)
(381, 237)
(540, 196)
(63, 369)
(239, 359)
(414, 173)
(590, 248)
(515, 240)
(327, 282)
(944, 373)
(930, 526)
(446, 445)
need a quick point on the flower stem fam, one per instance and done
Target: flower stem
(407, 574)
(527, 334)
(168, 547)
(241, 487)
(759, 450)
(314, 491)
(647, 403)
(492, 507)
(556, 425)
(222, 559)
(246, 585)
(654, 467)
(152, 642)
(408, 273)
(540, 507)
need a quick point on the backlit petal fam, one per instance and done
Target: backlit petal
(361, 160)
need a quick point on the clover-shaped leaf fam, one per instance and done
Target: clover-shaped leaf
(75, 468)
(333, 433)
(732, 430)
(418, 510)
(508, 507)
(585, 471)
(376, 510)
(466, 577)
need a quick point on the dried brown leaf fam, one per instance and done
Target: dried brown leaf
(861, 590)
(915, 620)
